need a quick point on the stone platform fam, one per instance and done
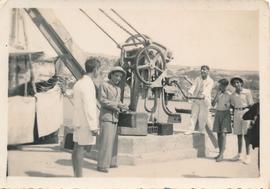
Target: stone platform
(134, 150)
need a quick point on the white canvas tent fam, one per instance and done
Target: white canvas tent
(29, 109)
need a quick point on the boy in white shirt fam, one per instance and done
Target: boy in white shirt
(222, 122)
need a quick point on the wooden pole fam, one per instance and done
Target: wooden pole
(25, 78)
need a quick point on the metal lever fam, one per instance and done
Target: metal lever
(129, 24)
(117, 44)
(185, 96)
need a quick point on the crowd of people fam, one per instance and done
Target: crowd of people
(88, 124)
(238, 102)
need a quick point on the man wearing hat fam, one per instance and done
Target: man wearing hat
(241, 100)
(109, 96)
(85, 117)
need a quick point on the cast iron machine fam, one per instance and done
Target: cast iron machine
(145, 63)
(143, 59)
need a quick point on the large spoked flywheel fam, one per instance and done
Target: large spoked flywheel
(150, 64)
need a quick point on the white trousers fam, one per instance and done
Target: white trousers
(202, 122)
(200, 116)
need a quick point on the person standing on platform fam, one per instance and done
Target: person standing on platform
(222, 122)
(109, 97)
(241, 100)
(85, 117)
(200, 107)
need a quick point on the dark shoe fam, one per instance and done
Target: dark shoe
(104, 170)
(217, 156)
(219, 159)
(114, 166)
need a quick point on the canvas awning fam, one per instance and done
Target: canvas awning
(16, 53)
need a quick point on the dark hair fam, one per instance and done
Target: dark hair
(91, 64)
(224, 82)
(205, 66)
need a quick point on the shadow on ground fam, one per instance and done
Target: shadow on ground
(86, 164)
(33, 148)
(224, 160)
(40, 174)
(197, 176)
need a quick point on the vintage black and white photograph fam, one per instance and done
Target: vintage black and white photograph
(129, 92)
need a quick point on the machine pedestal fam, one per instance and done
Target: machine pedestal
(134, 150)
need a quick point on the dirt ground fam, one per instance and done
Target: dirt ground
(50, 161)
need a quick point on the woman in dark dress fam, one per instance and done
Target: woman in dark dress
(254, 131)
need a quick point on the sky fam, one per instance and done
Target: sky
(220, 39)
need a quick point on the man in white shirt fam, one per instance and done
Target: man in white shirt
(201, 88)
(85, 117)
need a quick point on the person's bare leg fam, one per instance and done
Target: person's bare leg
(247, 159)
(239, 141)
(73, 157)
(78, 160)
(223, 142)
(219, 144)
(239, 144)
(222, 146)
(247, 144)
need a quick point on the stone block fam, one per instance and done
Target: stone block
(134, 150)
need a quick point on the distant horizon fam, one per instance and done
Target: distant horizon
(168, 65)
(212, 68)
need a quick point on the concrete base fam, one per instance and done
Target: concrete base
(134, 150)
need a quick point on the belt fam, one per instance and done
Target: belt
(240, 109)
(223, 110)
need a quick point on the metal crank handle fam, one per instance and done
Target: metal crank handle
(195, 98)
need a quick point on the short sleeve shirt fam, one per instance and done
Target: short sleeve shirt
(223, 101)
(242, 100)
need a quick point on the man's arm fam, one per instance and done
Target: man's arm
(232, 104)
(214, 101)
(193, 87)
